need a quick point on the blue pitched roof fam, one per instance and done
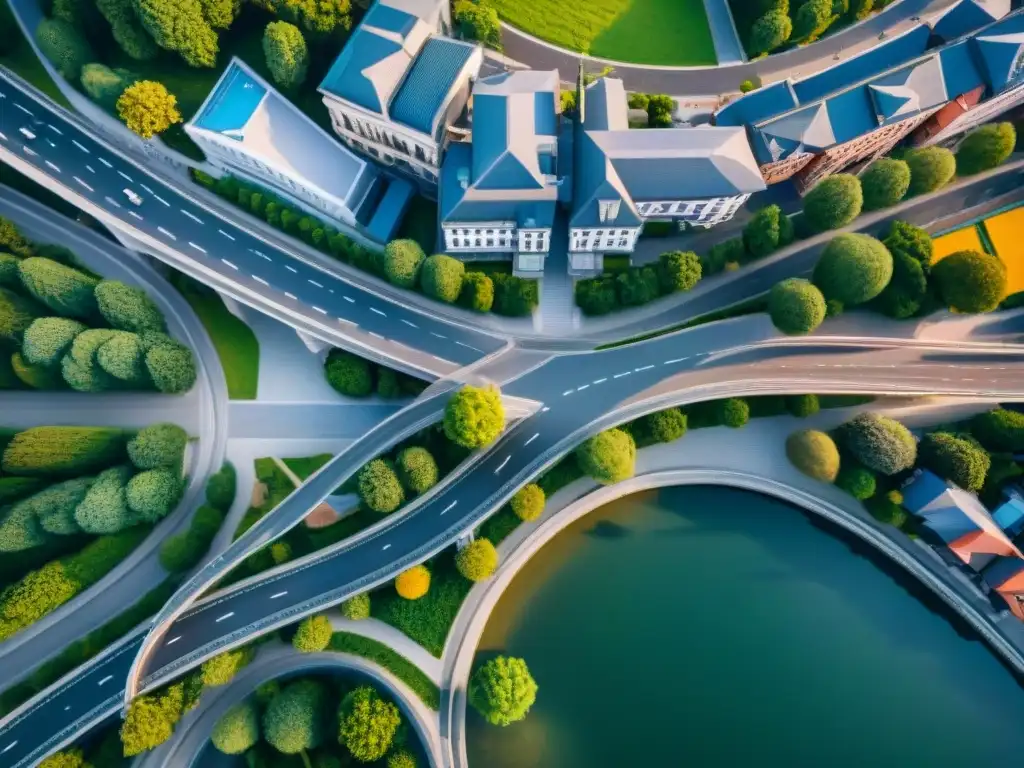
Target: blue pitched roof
(545, 121)
(490, 131)
(391, 19)
(962, 19)
(428, 82)
(345, 78)
(922, 490)
(388, 215)
(758, 105)
(1001, 569)
(959, 68)
(232, 103)
(998, 48)
(949, 524)
(1010, 516)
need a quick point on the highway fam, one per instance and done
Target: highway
(81, 167)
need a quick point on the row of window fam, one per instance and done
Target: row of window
(583, 244)
(374, 132)
(248, 161)
(481, 242)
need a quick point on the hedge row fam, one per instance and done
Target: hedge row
(675, 271)
(355, 376)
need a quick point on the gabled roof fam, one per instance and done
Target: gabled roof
(1000, 54)
(1005, 574)
(425, 90)
(805, 130)
(758, 105)
(606, 108)
(908, 91)
(967, 16)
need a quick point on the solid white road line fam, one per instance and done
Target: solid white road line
(225, 616)
(86, 150)
(376, 335)
(173, 640)
(290, 295)
(409, 323)
(449, 507)
(162, 200)
(278, 594)
(291, 269)
(467, 346)
(229, 263)
(164, 231)
(531, 439)
(197, 247)
(229, 237)
(18, 106)
(9, 747)
(260, 280)
(386, 546)
(192, 216)
(105, 162)
(137, 216)
(106, 679)
(83, 183)
(502, 465)
(53, 166)
(126, 176)
(314, 282)
(321, 311)
(55, 129)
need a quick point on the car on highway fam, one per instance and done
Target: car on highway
(27, 133)
(133, 197)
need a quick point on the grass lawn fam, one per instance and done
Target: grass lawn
(236, 344)
(392, 661)
(666, 32)
(21, 59)
(428, 619)
(307, 465)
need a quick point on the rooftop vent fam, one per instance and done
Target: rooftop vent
(463, 176)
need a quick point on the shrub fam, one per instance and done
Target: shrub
(478, 560)
(477, 292)
(357, 607)
(638, 101)
(802, 406)
(796, 306)
(237, 730)
(811, 19)
(956, 459)
(64, 46)
(834, 202)
(14, 488)
(150, 719)
(158, 446)
(63, 451)
(969, 281)
(105, 507)
(9, 270)
(768, 230)
(128, 308)
(474, 416)
(659, 110)
(910, 240)
(853, 269)
(17, 313)
(413, 583)
(879, 443)
(885, 183)
(401, 758)
(597, 295)
(35, 376)
(148, 108)
(180, 26)
(47, 340)
(678, 271)
(285, 51)
(732, 412)
(478, 20)
(502, 690)
(514, 296)
(931, 168)
(20, 529)
(220, 488)
(608, 456)
(65, 290)
(172, 367)
(349, 374)
(417, 470)
(402, 262)
(313, 634)
(813, 453)
(637, 286)
(726, 252)
(153, 493)
(37, 594)
(664, 426)
(123, 358)
(181, 552)
(441, 278)
(294, 720)
(528, 502)
(367, 724)
(768, 33)
(906, 291)
(999, 430)
(103, 84)
(985, 148)
(12, 241)
(55, 506)
(379, 487)
(79, 367)
(222, 668)
(856, 481)
(73, 758)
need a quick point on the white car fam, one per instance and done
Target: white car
(133, 198)
(26, 133)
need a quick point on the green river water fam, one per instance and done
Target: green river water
(718, 628)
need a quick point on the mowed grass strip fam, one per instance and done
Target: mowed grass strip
(663, 32)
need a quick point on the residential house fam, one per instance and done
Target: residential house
(247, 129)
(622, 177)
(498, 192)
(399, 86)
(1005, 577)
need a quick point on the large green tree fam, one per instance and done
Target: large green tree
(853, 269)
(442, 277)
(478, 560)
(17, 313)
(379, 487)
(813, 453)
(151, 718)
(970, 281)
(879, 443)
(313, 634)
(608, 456)
(61, 451)
(478, 20)
(238, 729)
(999, 430)
(65, 290)
(502, 690)
(158, 446)
(416, 469)
(955, 458)
(768, 230)
(367, 724)
(47, 339)
(294, 720)
(128, 308)
(104, 509)
(285, 50)
(769, 32)
(180, 26)
(64, 46)
(833, 202)
(985, 148)
(678, 271)
(885, 183)
(796, 306)
(931, 168)
(55, 506)
(318, 17)
(474, 416)
(148, 108)
(127, 30)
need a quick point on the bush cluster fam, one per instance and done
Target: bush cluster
(879, 443)
(354, 376)
(675, 271)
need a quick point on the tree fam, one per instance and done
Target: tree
(401, 758)
(441, 276)
(220, 488)
(54, 507)
(814, 453)
(179, 25)
(63, 451)
(402, 262)
(182, 552)
(104, 509)
(151, 718)
(597, 295)
(678, 271)
(20, 529)
(881, 444)
(478, 20)
(732, 412)
(313, 634)
(35, 376)
(768, 230)
(158, 446)
(659, 110)
(16, 314)
(414, 583)
(357, 607)
(367, 724)
(12, 241)
(985, 148)
(284, 48)
(664, 426)
(853, 269)
(220, 14)
(514, 296)
(237, 730)
(969, 281)
(885, 183)
(502, 690)
(47, 339)
(123, 357)
(608, 456)
(999, 430)
(64, 46)
(349, 374)
(474, 416)
(769, 32)
(379, 487)
(637, 286)
(103, 84)
(478, 560)
(153, 493)
(956, 459)
(318, 17)
(9, 270)
(911, 240)
(931, 168)
(811, 19)
(148, 108)
(856, 481)
(796, 306)
(477, 292)
(222, 668)
(861, 9)
(802, 406)
(417, 470)
(171, 366)
(72, 758)
(833, 202)
(127, 30)
(14, 488)
(528, 502)
(128, 308)
(66, 291)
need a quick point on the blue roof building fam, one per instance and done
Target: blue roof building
(399, 84)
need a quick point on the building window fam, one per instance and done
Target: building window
(478, 242)
(608, 210)
(419, 154)
(623, 242)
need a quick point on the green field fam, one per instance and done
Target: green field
(665, 32)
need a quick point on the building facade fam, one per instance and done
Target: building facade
(399, 85)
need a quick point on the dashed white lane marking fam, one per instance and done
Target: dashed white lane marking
(409, 323)
(545, 409)
(164, 231)
(197, 247)
(3, 136)
(9, 747)
(261, 254)
(568, 392)
(377, 311)
(600, 381)
(620, 375)
(225, 616)
(18, 106)
(386, 546)
(347, 322)
(102, 160)
(113, 202)
(106, 679)
(321, 311)
(229, 263)
(67, 708)
(349, 299)
(260, 280)
(449, 507)
(83, 183)
(150, 191)
(290, 295)
(29, 151)
(53, 166)
(51, 143)
(137, 216)
(278, 594)
(314, 282)
(675, 360)
(438, 335)
(580, 389)
(86, 150)
(291, 269)
(531, 439)
(229, 237)
(90, 169)
(502, 465)
(467, 346)
(162, 200)
(55, 129)
(644, 368)
(192, 216)
(124, 175)
(173, 640)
